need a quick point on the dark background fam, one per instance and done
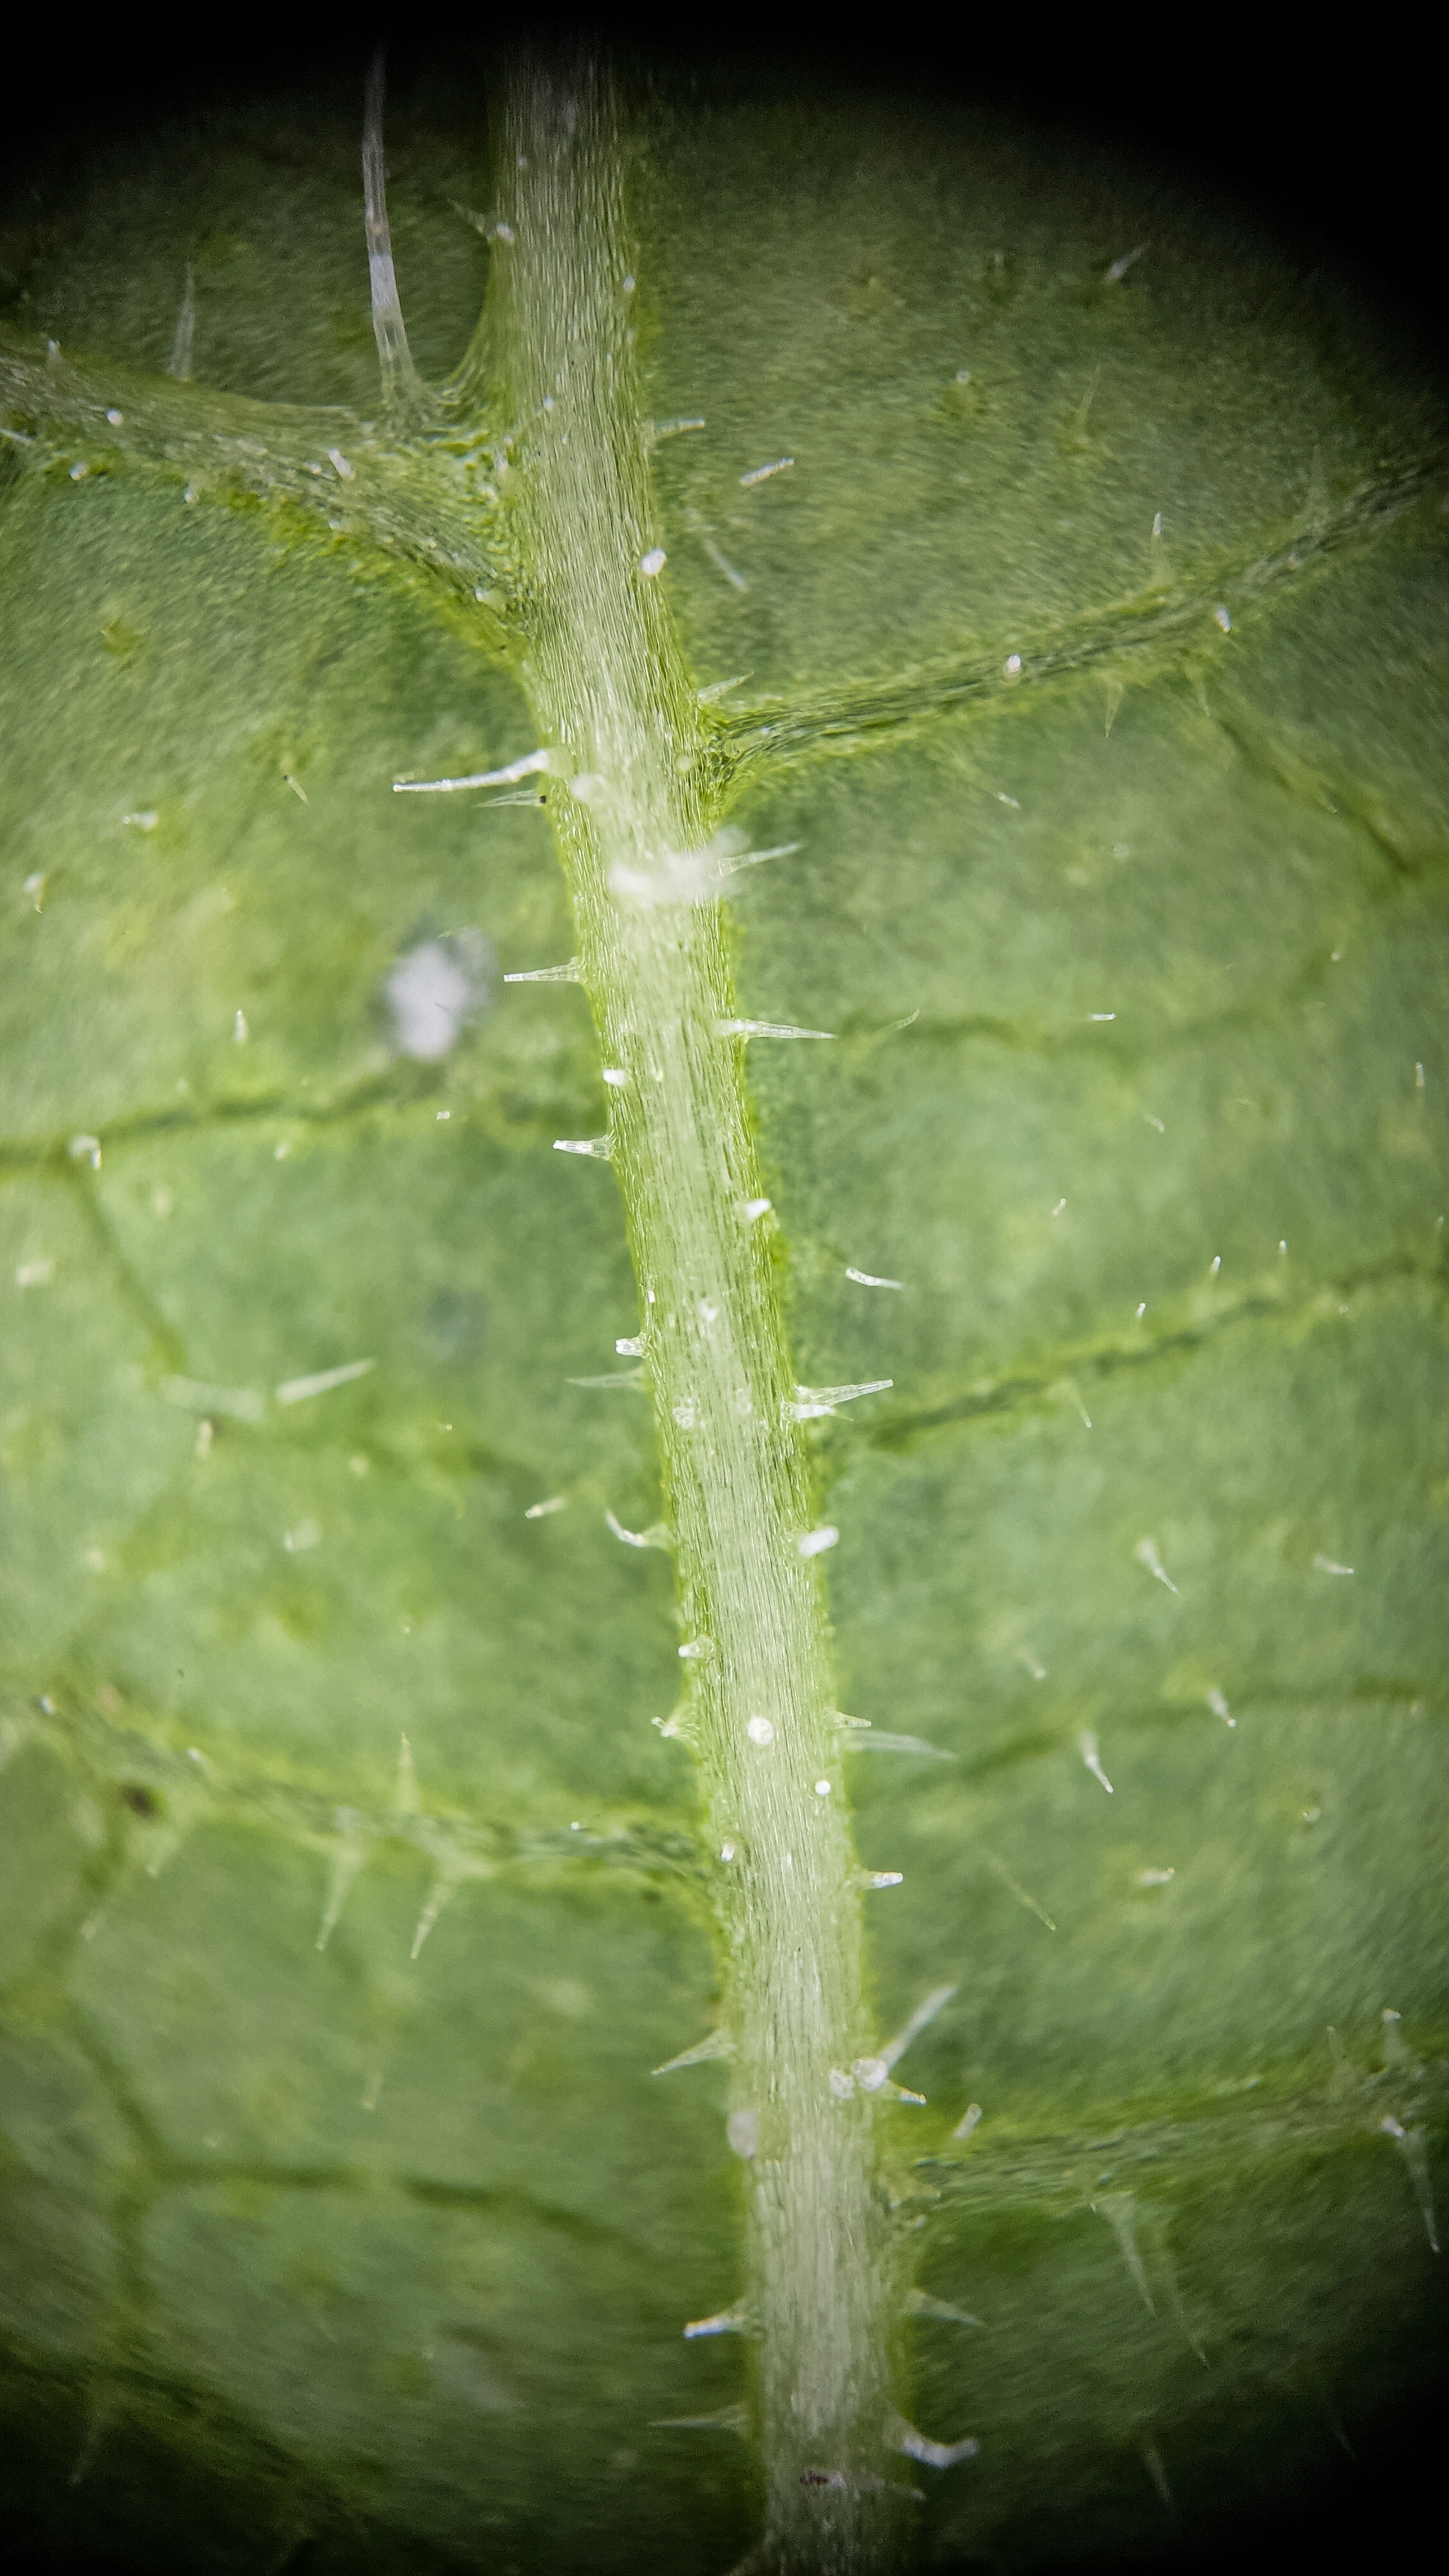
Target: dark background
(1332, 126)
(1331, 130)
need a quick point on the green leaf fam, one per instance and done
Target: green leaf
(319, 2234)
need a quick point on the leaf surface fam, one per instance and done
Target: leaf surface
(1135, 964)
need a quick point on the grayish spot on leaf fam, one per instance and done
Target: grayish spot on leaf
(435, 988)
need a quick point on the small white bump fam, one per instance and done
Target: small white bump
(816, 1541)
(1012, 666)
(654, 562)
(759, 1729)
(822, 1788)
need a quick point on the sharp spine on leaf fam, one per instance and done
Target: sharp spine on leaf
(600, 1147)
(655, 1536)
(454, 1868)
(901, 2436)
(405, 1796)
(399, 376)
(735, 2320)
(920, 2303)
(1397, 2052)
(573, 973)
(1014, 1886)
(442, 1889)
(872, 2074)
(531, 765)
(1152, 2461)
(676, 1727)
(1092, 1760)
(719, 2044)
(1146, 1554)
(348, 1854)
(924, 2014)
(766, 1029)
(812, 1402)
(726, 2419)
(297, 1390)
(1413, 2147)
(868, 2076)
(1119, 2208)
(859, 1736)
(179, 362)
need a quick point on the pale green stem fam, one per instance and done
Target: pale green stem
(612, 699)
